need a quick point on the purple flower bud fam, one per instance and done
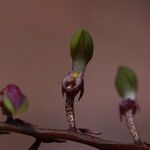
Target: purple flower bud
(13, 99)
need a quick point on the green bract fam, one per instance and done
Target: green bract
(126, 82)
(7, 102)
(81, 48)
(23, 108)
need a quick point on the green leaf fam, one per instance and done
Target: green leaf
(126, 82)
(7, 103)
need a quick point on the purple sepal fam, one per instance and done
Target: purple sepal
(126, 105)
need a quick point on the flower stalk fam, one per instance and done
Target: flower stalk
(132, 126)
(81, 50)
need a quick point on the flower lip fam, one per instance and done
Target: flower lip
(72, 82)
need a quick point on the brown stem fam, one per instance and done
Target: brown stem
(35, 145)
(45, 134)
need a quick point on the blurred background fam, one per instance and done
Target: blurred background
(34, 54)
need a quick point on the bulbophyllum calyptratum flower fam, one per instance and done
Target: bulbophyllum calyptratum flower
(127, 84)
(12, 101)
(81, 50)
